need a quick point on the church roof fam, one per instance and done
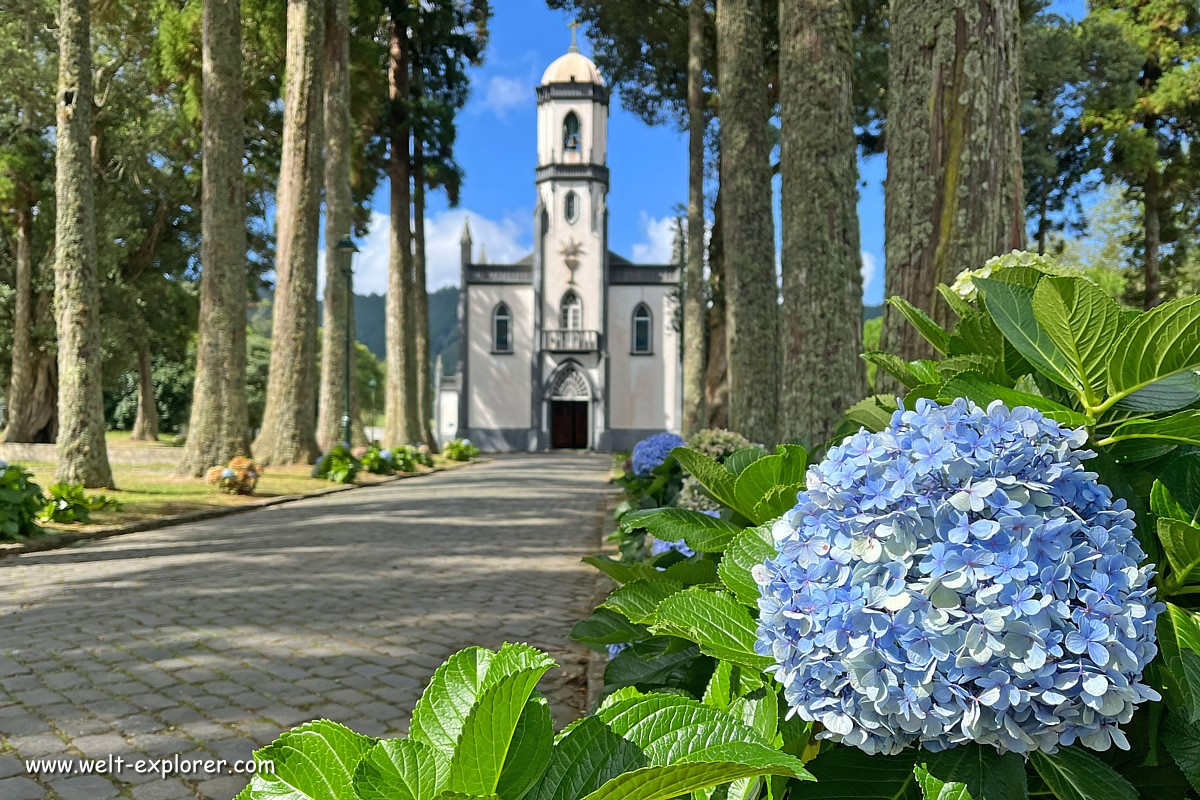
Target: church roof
(572, 67)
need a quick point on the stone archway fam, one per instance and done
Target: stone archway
(569, 406)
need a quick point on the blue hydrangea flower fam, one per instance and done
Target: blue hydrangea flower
(960, 577)
(653, 451)
(613, 649)
(660, 546)
(228, 473)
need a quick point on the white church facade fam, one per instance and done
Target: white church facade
(572, 346)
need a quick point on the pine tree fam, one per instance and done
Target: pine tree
(954, 195)
(751, 293)
(821, 374)
(288, 434)
(82, 455)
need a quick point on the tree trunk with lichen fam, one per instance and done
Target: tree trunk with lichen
(693, 278)
(288, 434)
(821, 374)
(716, 369)
(145, 425)
(420, 297)
(954, 196)
(82, 454)
(339, 206)
(751, 293)
(218, 426)
(19, 427)
(401, 407)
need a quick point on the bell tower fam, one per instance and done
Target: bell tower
(572, 184)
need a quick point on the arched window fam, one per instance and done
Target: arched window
(571, 207)
(571, 312)
(571, 140)
(501, 330)
(643, 333)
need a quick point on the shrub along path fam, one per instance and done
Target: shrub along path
(205, 640)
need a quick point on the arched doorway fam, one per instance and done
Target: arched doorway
(570, 398)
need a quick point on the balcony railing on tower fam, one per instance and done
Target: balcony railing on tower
(570, 341)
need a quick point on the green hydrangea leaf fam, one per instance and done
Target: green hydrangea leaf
(753, 546)
(529, 751)
(935, 334)
(975, 388)
(936, 789)
(728, 683)
(985, 773)
(622, 573)
(1159, 344)
(1179, 649)
(909, 373)
(716, 621)
(639, 600)
(400, 769)
(1181, 544)
(1182, 427)
(757, 486)
(874, 413)
(1083, 322)
(315, 761)
(605, 627)
(661, 661)
(712, 476)
(847, 773)
(739, 460)
(1169, 394)
(700, 531)
(1182, 740)
(699, 770)
(1011, 307)
(1073, 773)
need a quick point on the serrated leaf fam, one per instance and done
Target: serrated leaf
(989, 367)
(714, 620)
(935, 789)
(694, 571)
(1181, 477)
(654, 662)
(712, 476)
(1181, 544)
(1011, 307)
(1083, 322)
(1169, 394)
(740, 459)
(1073, 773)
(701, 532)
(1183, 427)
(976, 334)
(639, 599)
(399, 769)
(979, 391)
(1164, 504)
(957, 304)
(529, 750)
(699, 770)
(1182, 740)
(933, 333)
(728, 683)
(479, 755)
(986, 774)
(847, 773)
(605, 627)
(1179, 647)
(315, 761)
(909, 373)
(759, 481)
(874, 413)
(1163, 342)
(753, 546)
(621, 572)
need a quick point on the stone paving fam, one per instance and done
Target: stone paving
(205, 640)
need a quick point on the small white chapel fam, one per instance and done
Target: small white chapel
(572, 346)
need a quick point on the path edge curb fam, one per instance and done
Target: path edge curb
(57, 541)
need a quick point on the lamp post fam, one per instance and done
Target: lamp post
(346, 250)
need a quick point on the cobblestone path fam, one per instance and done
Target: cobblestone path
(205, 640)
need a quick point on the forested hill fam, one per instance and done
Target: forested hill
(370, 323)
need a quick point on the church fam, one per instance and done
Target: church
(572, 346)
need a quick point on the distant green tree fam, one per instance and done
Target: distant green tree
(1152, 118)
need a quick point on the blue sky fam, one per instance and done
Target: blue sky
(496, 150)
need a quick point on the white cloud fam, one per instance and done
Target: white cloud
(504, 239)
(504, 94)
(868, 269)
(658, 240)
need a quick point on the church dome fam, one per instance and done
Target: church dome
(572, 67)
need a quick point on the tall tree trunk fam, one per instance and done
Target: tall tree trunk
(716, 371)
(1153, 238)
(19, 427)
(338, 210)
(400, 401)
(821, 374)
(288, 433)
(693, 279)
(82, 452)
(420, 297)
(751, 293)
(145, 425)
(954, 196)
(218, 425)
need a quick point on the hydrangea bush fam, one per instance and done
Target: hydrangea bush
(960, 577)
(239, 476)
(21, 500)
(718, 444)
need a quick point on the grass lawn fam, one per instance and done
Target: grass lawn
(150, 490)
